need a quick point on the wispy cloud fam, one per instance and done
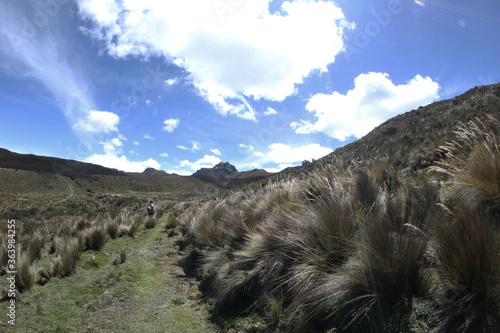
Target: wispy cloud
(148, 137)
(41, 52)
(195, 146)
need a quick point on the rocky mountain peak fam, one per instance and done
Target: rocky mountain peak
(222, 169)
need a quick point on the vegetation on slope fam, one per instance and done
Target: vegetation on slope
(353, 248)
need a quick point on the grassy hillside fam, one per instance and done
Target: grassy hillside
(355, 248)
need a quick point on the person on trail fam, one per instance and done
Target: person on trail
(151, 209)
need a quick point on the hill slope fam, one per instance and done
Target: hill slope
(409, 141)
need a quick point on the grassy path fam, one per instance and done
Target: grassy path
(147, 293)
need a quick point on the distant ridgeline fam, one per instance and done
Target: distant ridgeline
(52, 165)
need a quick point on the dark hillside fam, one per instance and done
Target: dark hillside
(52, 165)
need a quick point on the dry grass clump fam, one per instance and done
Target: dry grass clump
(150, 223)
(467, 245)
(466, 238)
(473, 166)
(113, 229)
(34, 248)
(69, 254)
(336, 250)
(95, 238)
(50, 270)
(25, 276)
(172, 222)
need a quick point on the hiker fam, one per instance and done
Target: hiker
(151, 209)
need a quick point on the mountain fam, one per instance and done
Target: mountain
(226, 175)
(220, 170)
(52, 165)
(154, 172)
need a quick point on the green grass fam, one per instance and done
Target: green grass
(101, 259)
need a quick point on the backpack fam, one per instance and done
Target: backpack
(151, 209)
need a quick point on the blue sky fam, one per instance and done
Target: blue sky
(180, 85)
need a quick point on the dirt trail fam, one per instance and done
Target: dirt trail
(147, 293)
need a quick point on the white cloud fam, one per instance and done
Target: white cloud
(112, 146)
(121, 162)
(98, 122)
(136, 143)
(171, 125)
(280, 167)
(270, 112)
(216, 151)
(171, 82)
(285, 154)
(373, 100)
(149, 137)
(195, 146)
(258, 154)
(208, 161)
(233, 54)
(148, 102)
(164, 155)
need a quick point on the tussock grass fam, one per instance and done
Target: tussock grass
(25, 276)
(134, 227)
(467, 245)
(95, 238)
(113, 229)
(172, 222)
(150, 224)
(50, 270)
(349, 250)
(473, 166)
(123, 256)
(35, 246)
(68, 255)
